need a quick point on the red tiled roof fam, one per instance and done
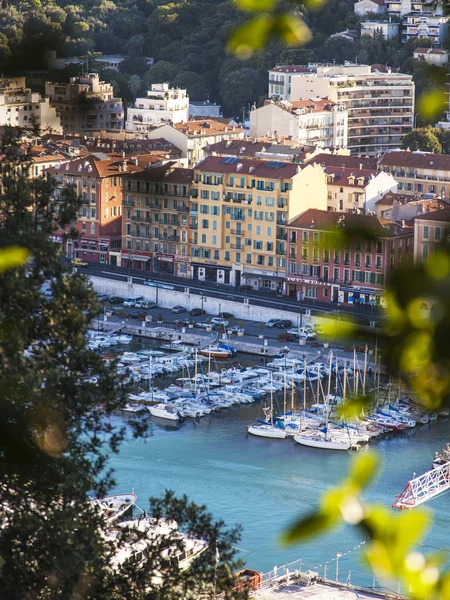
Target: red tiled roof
(89, 166)
(339, 160)
(442, 216)
(166, 173)
(342, 176)
(430, 51)
(256, 168)
(390, 197)
(206, 127)
(323, 220)
(239, 147)
(315, 105)
(418, 160)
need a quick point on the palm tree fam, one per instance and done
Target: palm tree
(134, 83)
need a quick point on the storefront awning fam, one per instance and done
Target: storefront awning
(361, 290)
(247, 275)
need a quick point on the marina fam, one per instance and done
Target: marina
(262, 483)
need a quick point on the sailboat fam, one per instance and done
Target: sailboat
(268, 430)
(323, 438)
(114, 507)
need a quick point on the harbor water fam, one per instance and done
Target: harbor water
(265, 484)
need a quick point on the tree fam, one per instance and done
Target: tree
(241, 87)
(424, 139)
(161, 72)
(55, 434)
(134, 83)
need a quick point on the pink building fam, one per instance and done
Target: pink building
(347, 272)
(430, 230)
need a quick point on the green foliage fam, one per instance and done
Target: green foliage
(424, 138)
(12, 257)
(241, 87)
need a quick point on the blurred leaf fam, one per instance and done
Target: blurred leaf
(13, 257)
(354, 407)
(307, 527)
(363, 469)
(431, 103)
(339, 328)
(313, 4)
(291, 30)
(438, 265)
(256, 5)
(251, 36)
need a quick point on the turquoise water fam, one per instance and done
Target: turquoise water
(264, 484)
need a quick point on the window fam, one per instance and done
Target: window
(437, 233)
(424, 250)
(92, 228)
(260, 260)
(204, 194)
(204, 209)
(305, 237)
(269, 231)
(269, 216)
(336, 274)
(215, 210)
(315, 254)
(270, 201)
(270, 261)
(258, 230)
(214, 240)
(379, 262)
(293, 268)
(214, 225)
(305, 253)
(227, 239)
(227, 255)
(83, 228)
(257, 245)
(205, 223)
(248, 259)
(326, 256)
(238, 257)
(216, 254)
(258, 200)
(425, 232)
(357, 260)
(269, 246)
(368, 261)
(203, 238)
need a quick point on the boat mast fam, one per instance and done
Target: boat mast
(195, 373)
(292, 389)
(355, 372)
(271, 397)
(365, 371)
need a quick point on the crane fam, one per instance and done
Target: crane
(425, 487)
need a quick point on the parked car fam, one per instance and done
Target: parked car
(218, 321)
(197, 312)
(272, 322)
(102, 297)
(48, 292)
(178, 309)
(225, 315)
(235, 329)
(132, 301)
(303, 332)
(284, 324)
(116, 300)
(77, 262)
(202, 325)
(182, 322)
(148, 304)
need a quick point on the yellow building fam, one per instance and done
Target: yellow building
(240, 209)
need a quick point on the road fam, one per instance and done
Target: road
(360, 313)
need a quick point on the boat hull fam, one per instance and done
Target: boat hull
(324, 444)
(268, 432)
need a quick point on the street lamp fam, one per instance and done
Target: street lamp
(415, 120)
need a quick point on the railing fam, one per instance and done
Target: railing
(183, 208)
(141, 219)
(237, 232)
(281, 236)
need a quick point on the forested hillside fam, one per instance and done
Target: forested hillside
(187, 39)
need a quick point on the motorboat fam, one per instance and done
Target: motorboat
(130, 407)
(163, 411)
(113, 507)
(215, 351)
(442, 458)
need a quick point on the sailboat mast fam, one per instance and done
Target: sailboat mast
(344, 393)
(271, 397)
(195, 373)
(355, 372)
(285, 393)
(292, 388)
(365, 372)
(304, 384)
(329, 376)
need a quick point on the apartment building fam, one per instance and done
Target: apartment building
(239, 214)
(432, 56)
(21, 107)
(193, 136)
(425, 24)
(156, 220)
(418, 172)
(280, 80)
(97, 180)
(312, 122)
(163, 104)
(400, 8)
(356, 190)
(353, 273)
(86, 104)
(380, 105)
(430, 230)
(388, 29)
(366, 7)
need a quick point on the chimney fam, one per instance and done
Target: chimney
(360, 166)
(124, 165)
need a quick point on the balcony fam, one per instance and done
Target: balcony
(140, 219)
(281, 222)
(236, 247)
(280, 252)
(237, 232)
(183, 209)
(237, 217)
(192, 226)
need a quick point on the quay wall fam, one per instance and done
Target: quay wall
(171, 298)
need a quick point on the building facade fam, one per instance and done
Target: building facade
(97, 180)
(156, 220)
(430, 231)
(366, 7)
(319, 268)
(204, 109)
(239, 214)
(418, 172)
(21, 107)
(388, 29)
(162, 105)
(280, 80)
(86, 104)
(380, 105)
(314, 122)
(425, 24)
(432, 56)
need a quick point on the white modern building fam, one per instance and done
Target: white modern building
(400, 8)
(366, 7)
(373, 28)
(280, 80)
(431, 25)
(380, 105)
(312, 122)
(162, 105)
(21, 107)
